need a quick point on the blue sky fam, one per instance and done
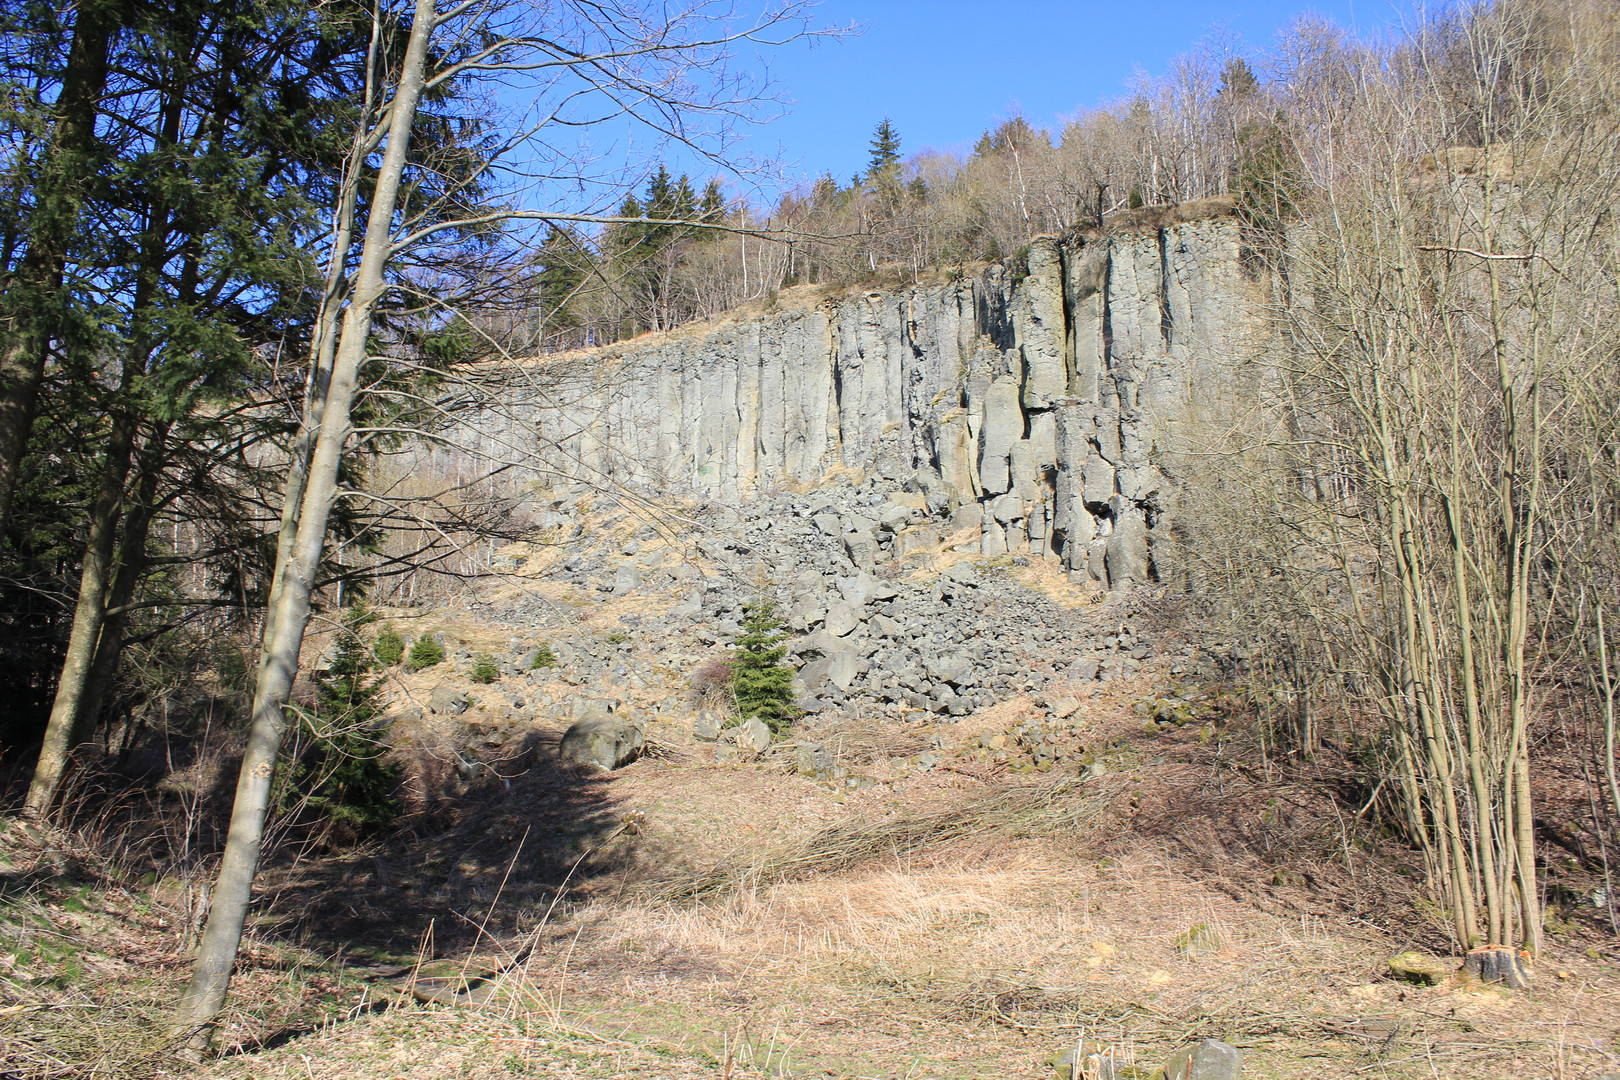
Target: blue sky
(945, 70)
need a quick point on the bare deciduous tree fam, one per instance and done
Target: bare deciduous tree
(621, 60)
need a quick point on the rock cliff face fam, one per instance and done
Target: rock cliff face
(1038, 408)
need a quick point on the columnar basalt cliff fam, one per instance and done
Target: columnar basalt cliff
(1038, 407)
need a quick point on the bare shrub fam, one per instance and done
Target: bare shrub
(713, 682)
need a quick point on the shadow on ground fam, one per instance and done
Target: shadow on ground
(495, 861)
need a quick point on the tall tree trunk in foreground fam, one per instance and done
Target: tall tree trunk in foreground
(289, 603)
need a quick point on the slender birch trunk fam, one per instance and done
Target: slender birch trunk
(289, 607)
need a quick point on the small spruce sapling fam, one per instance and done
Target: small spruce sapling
(425, 653)
(543, 657)
(761, 683)
(485, 670)
(342, 775)
(389, 647)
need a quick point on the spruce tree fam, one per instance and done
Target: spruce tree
(424, 654)
(761, 682)
(563, 263)
(389, 647)
(1238, 79)
(342, 776)
(885, 151)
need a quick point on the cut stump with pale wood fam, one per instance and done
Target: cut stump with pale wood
(1498, 964)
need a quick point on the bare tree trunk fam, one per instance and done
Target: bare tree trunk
(88, 615)
(131, 564)
(97, 568)
(289, 606)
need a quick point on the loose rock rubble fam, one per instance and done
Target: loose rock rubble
(888, 605)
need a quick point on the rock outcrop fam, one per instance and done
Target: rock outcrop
(1036, 406)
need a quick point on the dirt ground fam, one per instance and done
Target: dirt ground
(935, 911)
(686, 918)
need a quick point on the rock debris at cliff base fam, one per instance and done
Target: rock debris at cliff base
(908, 622)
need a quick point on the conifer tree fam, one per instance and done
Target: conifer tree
(885, 151)
(389, 647)
(563, 263)
(762, 683)
(425, 653)
(342, 775)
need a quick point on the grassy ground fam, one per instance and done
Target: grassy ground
(725, 920)
(686, 917)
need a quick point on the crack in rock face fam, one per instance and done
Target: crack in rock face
(1045, 412)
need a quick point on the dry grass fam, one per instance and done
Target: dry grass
(996, 951)
(1012, 812)
(959, 922)
(476, 1044)
(938, 927)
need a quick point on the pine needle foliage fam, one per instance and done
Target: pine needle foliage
(342, 775)
(389, 647)
(425, 653)
(485, 670)
(762, 684)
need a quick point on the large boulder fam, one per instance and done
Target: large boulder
(626, 579)
(901, 509)
(817, 641)
(939, 497)
(445, 698)
(584, 708)
(806, 613)
(863, 589)
(1007, 509)
(857, 590)
(842, 619)
(812, 759)
(606, 742)
(1209, 1060)
(953, 668)
(838, 666)
(753, 735)
(844, 668)
(887, 627)
(862, 549)
(706, 728)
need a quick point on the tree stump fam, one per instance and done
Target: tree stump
(1497, 964)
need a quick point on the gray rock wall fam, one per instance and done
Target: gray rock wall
(1040, 407)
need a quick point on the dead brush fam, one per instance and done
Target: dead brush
(1059, 1011)
(1012, 812)
(862, 739)
(713, 682)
